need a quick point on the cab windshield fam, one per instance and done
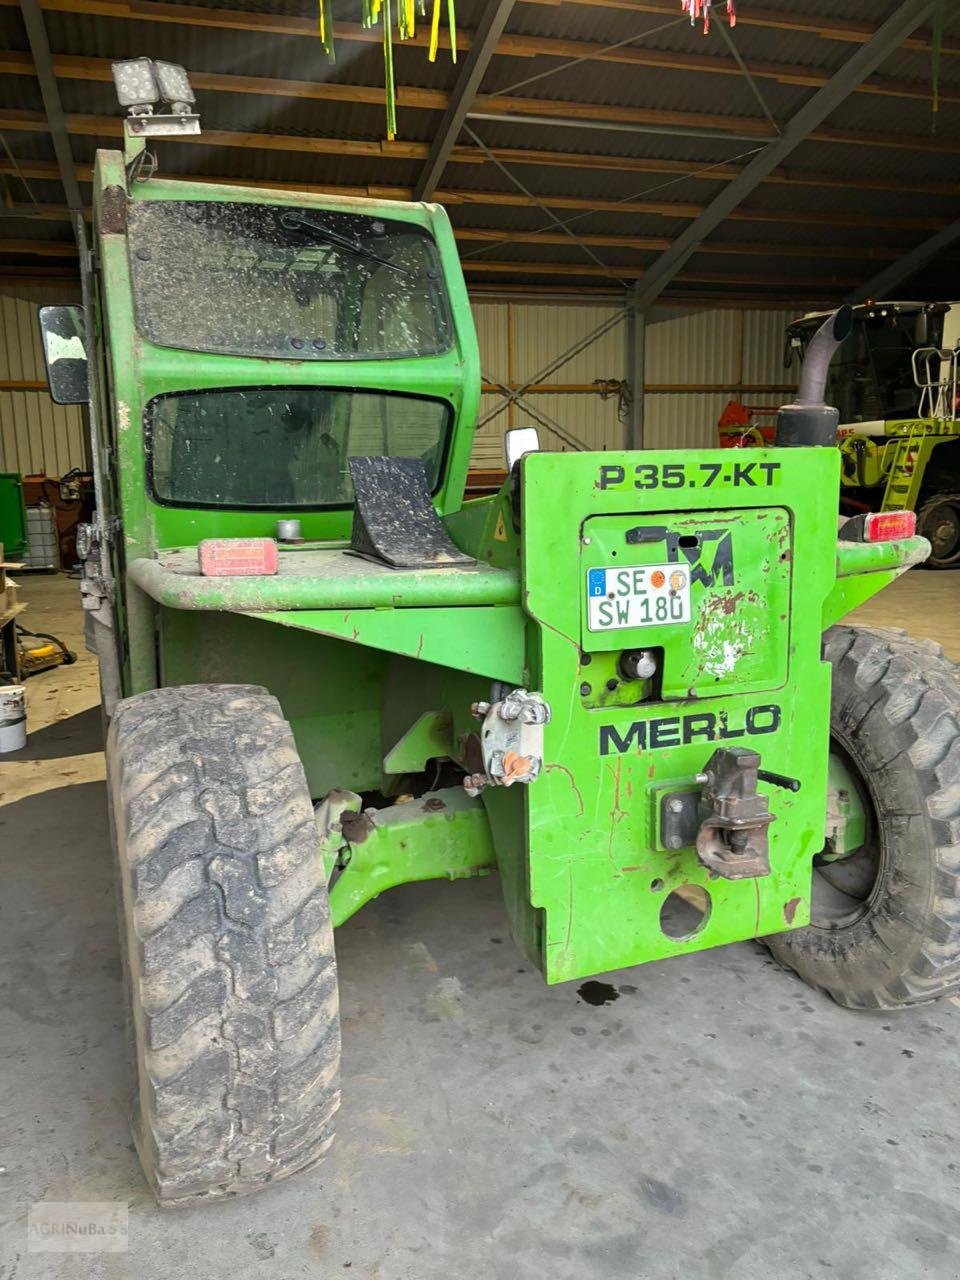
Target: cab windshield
(282, 281)
(283, 447)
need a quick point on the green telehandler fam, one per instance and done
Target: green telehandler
(622, 682)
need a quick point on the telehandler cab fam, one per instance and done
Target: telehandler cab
(622, 682)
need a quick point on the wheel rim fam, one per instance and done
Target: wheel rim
(942, 527)
(844, 890)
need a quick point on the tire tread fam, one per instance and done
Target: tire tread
(915, 690)
(231, 969)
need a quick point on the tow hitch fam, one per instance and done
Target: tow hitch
(727, 820)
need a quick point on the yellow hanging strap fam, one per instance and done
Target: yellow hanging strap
(434, 31)
(326, 28)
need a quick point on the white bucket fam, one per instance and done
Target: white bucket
(13, 718)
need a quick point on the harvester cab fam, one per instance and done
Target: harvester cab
(895, 383)
(328, 675)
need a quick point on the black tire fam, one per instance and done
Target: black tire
(938, 519)
(894, 938)
(228, 946)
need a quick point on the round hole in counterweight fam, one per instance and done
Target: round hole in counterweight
(685, 911)
(656, 885)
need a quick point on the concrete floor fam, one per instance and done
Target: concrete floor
(720, 1120)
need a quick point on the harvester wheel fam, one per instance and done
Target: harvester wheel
(885, 920)
(228, 945)
(938, 519)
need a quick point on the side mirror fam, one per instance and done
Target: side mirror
(519, 441)
(63, 331)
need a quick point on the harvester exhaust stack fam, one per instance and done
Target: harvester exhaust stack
(809, 420)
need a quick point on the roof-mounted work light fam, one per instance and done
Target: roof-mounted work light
(136, 85)
(174, 86)
(141, 84)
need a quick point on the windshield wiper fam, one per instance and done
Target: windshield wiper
(290, 221)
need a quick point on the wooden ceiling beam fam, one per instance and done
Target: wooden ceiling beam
(44, 169)
(36, 212)
(47, 273)
(451, 199)
(906, 18)
(527, 46)
(16, 278)
(850, 252)
(836, 29)
(70, 67)
(578, 295)
(676, 211)
(484, 235)
(846, 32)
(99, 68)
(90, 126)
(40, 248)
(636, 273)
(98, 126)
(44, 248)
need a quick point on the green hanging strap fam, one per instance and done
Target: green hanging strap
(388, 81)
(939, 21)
(374, 11)
(452, 24)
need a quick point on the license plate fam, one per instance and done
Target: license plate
(651, 595)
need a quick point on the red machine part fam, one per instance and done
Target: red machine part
(885, 526)
(237, 557)
(741, 426)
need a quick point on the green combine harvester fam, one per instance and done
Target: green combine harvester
(895, 383)
(621, 683)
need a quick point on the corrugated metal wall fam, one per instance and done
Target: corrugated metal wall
(36, 435)
(719, 350)
(716, 349)
(518, 341)
(725, 349)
